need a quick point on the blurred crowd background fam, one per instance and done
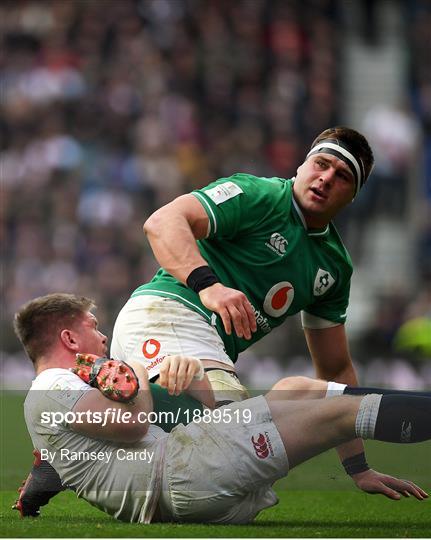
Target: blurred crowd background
(111, 108)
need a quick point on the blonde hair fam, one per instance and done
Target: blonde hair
(39, 322)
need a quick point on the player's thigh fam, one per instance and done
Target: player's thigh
(148, 328)
(211, 467)
(309, 427)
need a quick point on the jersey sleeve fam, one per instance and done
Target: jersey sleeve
(329, 309)
(236, 204)
(59, 390)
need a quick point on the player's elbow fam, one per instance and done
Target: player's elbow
(183, 212)
(153, 225)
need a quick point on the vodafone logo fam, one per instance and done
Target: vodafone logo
(155, 363)
(279, 298)
(260, 446)
(151, 348)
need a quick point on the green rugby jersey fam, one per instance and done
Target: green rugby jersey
(258, 243)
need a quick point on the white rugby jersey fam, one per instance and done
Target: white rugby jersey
(99, 471)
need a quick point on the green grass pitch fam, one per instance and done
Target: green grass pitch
(317, 500)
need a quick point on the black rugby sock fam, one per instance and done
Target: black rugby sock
(404, 419)
(394, 418)
(362, 390)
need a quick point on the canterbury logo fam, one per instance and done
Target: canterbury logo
(260, 446)
(277, 243)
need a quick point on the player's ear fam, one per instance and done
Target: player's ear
(68, 338)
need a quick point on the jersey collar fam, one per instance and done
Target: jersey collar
(310, 232)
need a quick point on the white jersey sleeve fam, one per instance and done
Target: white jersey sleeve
(121, 479)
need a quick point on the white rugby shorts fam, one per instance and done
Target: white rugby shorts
(148, 328)
(222, 471)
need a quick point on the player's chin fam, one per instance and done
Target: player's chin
(317, 208)
(311, 200)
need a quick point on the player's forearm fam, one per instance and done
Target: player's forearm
(352, 448)
(340, 370)
(100, 418)
(173, 244)
(202, 391)
(346, 375)
(330, 352)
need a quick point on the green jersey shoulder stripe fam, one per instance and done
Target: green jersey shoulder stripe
(211, 216)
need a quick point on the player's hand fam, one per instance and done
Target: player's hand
(177, 372)
(374, 482)
(233, 307)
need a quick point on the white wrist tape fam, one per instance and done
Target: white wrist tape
(201, 373)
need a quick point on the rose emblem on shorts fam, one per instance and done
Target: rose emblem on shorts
(151, 348)
(279, 299)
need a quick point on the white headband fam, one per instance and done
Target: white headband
(357, 167)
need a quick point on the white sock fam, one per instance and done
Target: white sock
(335, 389)
(367, 416)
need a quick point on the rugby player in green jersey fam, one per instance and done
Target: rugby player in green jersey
(245, 253)
(240, 256)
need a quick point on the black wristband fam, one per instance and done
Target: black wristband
(201, 278)
(356, 464)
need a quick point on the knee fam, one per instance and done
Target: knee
(300, 387)
(294, 383)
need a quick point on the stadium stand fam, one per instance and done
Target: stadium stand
(110, 109)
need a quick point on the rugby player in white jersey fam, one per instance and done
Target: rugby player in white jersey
(219, 470)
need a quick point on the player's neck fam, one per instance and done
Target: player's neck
(314, 222)
(311, 220)
(54, 361)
